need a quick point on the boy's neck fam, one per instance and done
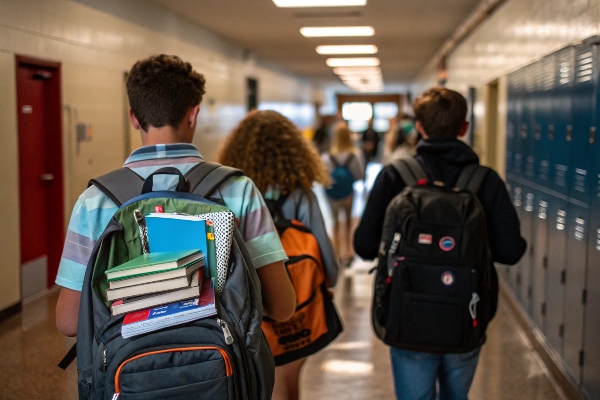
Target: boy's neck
(164, 135)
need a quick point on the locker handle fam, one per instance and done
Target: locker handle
(550, 132)
(592, 135)
(569, 133)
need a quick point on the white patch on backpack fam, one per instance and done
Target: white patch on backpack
(447, 278)
(425, 238)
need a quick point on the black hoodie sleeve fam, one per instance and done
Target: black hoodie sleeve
(368, 234)
(504, 230)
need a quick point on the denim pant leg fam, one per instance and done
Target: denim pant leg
(456, 375)
(415, 374)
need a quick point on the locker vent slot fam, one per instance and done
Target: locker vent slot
(584, 67)
(598, 239)
(579, 229)
(561, 220)
(580, 175)
(543, 210)
(561, 175)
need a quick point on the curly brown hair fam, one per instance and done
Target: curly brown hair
(273, 153)
(161, 89)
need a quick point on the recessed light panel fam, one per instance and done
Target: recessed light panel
(356, 70)
(353, 62)
(337, 31)
(347, 49)
(318, 3)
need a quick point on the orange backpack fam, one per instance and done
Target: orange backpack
(315, 323)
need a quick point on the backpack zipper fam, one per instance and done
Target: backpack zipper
(226, 332)
(473, 308)
(226, 360)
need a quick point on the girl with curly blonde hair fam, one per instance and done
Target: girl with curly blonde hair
(283, 165)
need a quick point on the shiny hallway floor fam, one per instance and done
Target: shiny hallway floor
(355, 366)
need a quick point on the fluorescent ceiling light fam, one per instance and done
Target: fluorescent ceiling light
(319, 3)
(356, 70)
(353, 62)
(362, 76)
(337, 31)
(348, 49)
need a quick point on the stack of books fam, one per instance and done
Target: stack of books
(155, 279)
(144, 321)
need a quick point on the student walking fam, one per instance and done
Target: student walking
(344, 164)
(436, 286)
(283, 165)
(164, 95)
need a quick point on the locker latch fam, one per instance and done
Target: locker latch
(592, 135)
(569, 133)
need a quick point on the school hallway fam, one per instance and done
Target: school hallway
(355, 366)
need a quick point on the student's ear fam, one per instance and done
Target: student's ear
(193, 116)
(463, 130)
(134, 121)
(421, 130)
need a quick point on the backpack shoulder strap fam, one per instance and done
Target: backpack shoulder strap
(334, 161)
(206, 177)
(410, 170)
(472, 177)
(349, 160)
(120, 185)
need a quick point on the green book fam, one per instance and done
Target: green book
(153, 263)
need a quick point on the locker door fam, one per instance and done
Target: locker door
(579, 191)
(540, 260)
(530, 108)
(513, 273)
(510, 122)
(544, 120)
(591, 346)
(555, 289)
(578, 227)
(521, 126)
(562, 131)
(526, 263)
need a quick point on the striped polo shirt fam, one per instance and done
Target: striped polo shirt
(93, 210)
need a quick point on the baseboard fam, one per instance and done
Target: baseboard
(10, 311)
(554, 363)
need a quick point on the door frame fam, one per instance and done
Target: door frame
(54, 157)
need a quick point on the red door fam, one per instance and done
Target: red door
(40, 171)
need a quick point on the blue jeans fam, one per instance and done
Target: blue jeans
(415, 374)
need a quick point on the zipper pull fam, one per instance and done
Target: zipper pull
(395, 243)
(104, 360)
(226, 331)
(116, 396)
(473, 308)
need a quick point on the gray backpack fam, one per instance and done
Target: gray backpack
(223, 357)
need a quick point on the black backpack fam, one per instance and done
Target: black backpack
(434, 289)
(225, 357)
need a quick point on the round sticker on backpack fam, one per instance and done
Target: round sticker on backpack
(447, 243)
(447, 278)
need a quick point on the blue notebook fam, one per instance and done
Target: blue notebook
(170, 232)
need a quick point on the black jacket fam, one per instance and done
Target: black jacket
(443, 160)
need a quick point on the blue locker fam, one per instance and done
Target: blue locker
(529, 120)
(540, 259)
(511, 122)
(591, 346)
(580, 167)
(521, 127)
(542, 149)
(561, 129)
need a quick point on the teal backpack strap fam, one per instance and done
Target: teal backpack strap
(206, 177)
(120, 185)
(410, 171)
(472, 177)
